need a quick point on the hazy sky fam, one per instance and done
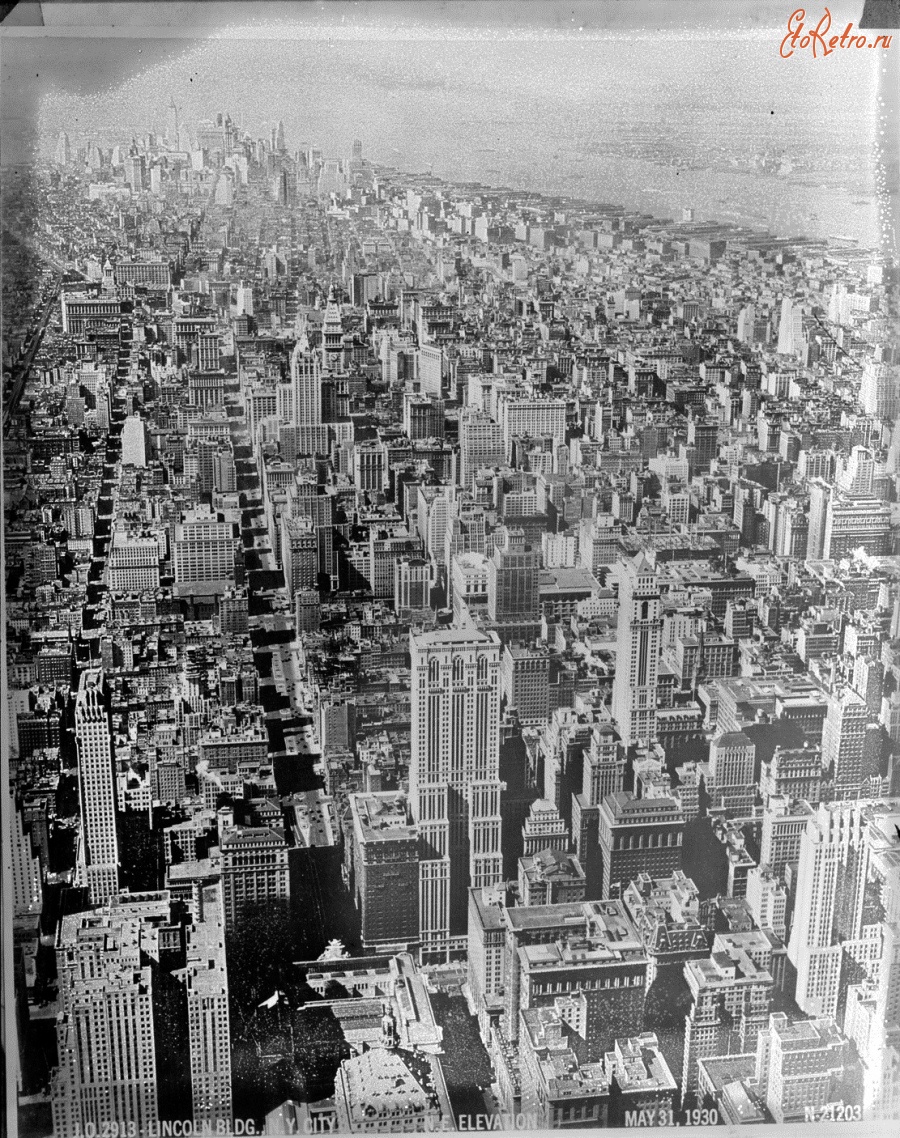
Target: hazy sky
(72, 53)
(632, 98)
(548, 13)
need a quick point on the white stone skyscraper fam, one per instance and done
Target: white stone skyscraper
(856, 475)
(745, 322)
(98, 850)
(843, 741)
(638, 646)
(105, 1028)
(206, 983)
(244, 299)
(63, 153)
(172, 125)
(820, 494)
(790, 328)
(135, 441)
(828, 910)
(879, 390)
(28, 896)
(135, 1016)
(454, 785)
(306, 381)
(333, 336)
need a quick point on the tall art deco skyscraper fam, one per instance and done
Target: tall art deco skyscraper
(98, 851)
(790, 328)
(206, 987)
(106, 1034)
(638, 645)
(843, 741)
(27, 895)
(143, 1028)
(829, 903)
(306, 382)
(454, 786)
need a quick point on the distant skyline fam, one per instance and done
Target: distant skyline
(628, 101)
(36, 60)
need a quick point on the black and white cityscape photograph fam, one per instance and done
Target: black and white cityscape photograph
(451, 567)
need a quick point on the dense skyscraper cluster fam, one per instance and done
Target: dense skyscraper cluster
(449, 629)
